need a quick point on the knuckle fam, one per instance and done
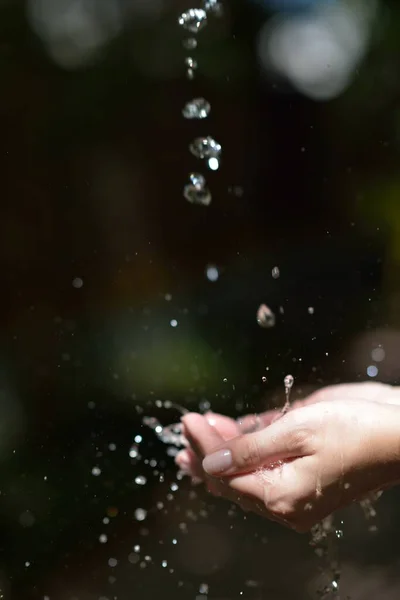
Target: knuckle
(250, 453)
(299, 440)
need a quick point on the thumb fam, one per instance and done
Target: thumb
(282, 440)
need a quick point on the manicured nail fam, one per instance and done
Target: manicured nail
(218, 462)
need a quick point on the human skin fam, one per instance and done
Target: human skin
(334, 447)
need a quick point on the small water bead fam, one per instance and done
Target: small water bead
(198, 108)
(133, 558)
(276, 273)
(212, 273)
(190, 43)
(96, 471)
(193, 20)
(140, 480)
(140, 514)
(112, 562)
(134, 452)
(213, 6)
(205, 147)
(265, 317)
(197, 180)
(288, 382)
(203, 588)
(310, 310)
(103, 538)
(190, 74)
(191, 62)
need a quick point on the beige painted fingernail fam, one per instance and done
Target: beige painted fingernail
(218, 462)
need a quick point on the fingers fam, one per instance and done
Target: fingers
(202, 437)
(282, 440)
(226, 427)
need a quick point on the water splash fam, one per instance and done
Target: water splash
(288, 383)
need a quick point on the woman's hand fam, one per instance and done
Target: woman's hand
(305, 465)
(229, 428)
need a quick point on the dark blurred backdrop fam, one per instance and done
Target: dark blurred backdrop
(99, 251)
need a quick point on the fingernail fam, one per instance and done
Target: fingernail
(218, 462)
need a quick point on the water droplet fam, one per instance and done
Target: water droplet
(134, 452)
(212, 273)
(190, 74)
(140, 480)
(213, 163)
(164, 563)
(310, 310)
(112, 562)
(198, 108)
(197, 180)
(194, 195)
(205, 147)
(112, 447)
(276, 272)
(77, 283)
(265, 317)
(193, 20)
(133, 558)
(372, 371)
(339, 533)
(190, 62)
(203, 588)
(173, 323)
(103, 538)
(378, 354)
(138, 439)
(190, 43)
(140, 514)
(213, 6)
(96, 471)
(264, 379)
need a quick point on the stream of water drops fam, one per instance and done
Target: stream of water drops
(193, 21)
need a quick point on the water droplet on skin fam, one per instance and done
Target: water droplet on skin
(140, 480)
(190, 43)
(198, 108)
(205, 147)
(265, 317)
(275, 272)
(193, 20)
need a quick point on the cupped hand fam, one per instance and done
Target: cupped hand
(305, 465)
(229, 428)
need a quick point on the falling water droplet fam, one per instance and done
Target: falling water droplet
(198, 108)
(196, 192)
(190, 62)
(205, 147)
(197, 180)
(276, 272)
(190, 43)
(193, 20)
(140, 480)
(140, 514)
(265, 317)
(213, 6)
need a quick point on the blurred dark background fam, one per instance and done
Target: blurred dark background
(100, 251)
